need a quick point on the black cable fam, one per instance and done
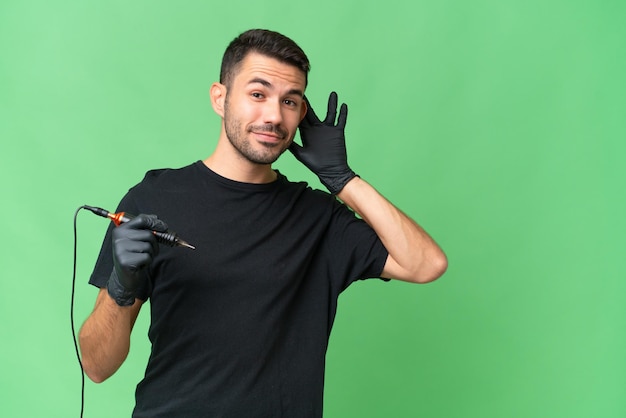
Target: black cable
(80, 363)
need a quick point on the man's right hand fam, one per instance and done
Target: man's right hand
(134, 247)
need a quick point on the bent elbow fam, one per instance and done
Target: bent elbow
(432, 270)
(95, 368)
(96, 378)
(94, 374)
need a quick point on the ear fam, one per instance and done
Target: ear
(218, 97)
(303, 110)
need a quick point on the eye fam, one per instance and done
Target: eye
(257, 95)
(290, 102)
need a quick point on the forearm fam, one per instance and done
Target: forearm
(413, 254)
(105, 337)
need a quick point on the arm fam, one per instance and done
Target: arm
(413, 255)
(105, 336)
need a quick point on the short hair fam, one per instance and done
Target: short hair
(265, 42)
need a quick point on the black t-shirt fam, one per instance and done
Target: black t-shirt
(240, 326)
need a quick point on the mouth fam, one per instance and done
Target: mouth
(268, 139)
(269, 134)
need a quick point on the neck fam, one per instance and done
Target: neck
(228, 163)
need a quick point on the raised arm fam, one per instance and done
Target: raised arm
(413, 254)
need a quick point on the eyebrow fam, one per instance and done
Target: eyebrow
(267, 84)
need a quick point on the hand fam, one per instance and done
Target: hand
(134, 247)
(323, 148)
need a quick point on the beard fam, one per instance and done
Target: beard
(238, 137)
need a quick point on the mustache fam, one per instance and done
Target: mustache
(275, 129)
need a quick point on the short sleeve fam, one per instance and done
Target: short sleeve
(355, 250)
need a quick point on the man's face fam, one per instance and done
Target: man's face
(263, 106)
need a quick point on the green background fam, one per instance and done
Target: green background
(498, 125)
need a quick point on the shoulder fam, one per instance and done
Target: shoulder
(312, 203)
(302, 190)
(168, 175)
(168, 178)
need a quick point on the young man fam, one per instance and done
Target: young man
(240, 326)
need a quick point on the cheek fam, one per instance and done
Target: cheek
(242, 110)
(293, 120)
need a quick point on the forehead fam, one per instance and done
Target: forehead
(258, 66)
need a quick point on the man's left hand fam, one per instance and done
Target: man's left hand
(323, 148)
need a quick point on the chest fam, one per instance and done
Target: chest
(257, 245)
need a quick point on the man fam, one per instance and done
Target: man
(240, 326)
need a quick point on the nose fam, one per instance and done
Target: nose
(273, 113)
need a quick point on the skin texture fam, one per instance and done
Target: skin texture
(105, 336)
(260, 111)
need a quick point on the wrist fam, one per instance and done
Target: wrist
(121, 295)
(337, 182)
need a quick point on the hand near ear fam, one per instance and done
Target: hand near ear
(323, 148)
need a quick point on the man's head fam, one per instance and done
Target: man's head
(264, 42)
(260, 96)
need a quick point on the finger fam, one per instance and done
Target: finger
(306, 121)
(133, 254)
(295, 149)
(137, 261)
(343, 116)
(332, 109)
(133, 244)
(135, 240)
(154, 223)
(131, 249)
(144, 221)
(310, 117)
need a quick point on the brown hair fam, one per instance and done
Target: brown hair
(265, 42)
